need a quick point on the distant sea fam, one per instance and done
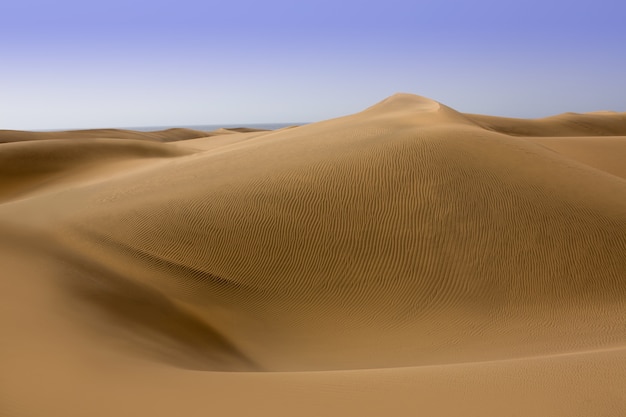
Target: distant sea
(267, 126)
(208, 128)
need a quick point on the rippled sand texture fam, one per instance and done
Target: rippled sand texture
(406, 260)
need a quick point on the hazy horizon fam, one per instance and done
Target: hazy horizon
(77, 65)
(204, 127)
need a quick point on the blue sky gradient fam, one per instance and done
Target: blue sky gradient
(71, 64)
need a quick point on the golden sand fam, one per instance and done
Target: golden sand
(405, 260)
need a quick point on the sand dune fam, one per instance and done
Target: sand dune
(408, 259)
(168, 135)
(31, 166)
(567, 124)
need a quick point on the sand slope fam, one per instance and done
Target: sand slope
(405, 259)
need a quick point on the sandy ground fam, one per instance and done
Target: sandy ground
(405, 260)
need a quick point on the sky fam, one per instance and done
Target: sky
(83, 64)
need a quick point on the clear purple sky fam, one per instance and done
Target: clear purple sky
(74, 64)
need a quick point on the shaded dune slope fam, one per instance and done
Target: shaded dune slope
(403, 235)
(26, 167)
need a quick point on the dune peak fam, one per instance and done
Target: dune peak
(407, 101)
(418, 110)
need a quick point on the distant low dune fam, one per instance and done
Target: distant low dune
(405, 260)
(567, 124)
(168, 135)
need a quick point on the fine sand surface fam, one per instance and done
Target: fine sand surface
(405, 260)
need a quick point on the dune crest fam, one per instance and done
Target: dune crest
(407, 257)
(420, 109)
(406, 102)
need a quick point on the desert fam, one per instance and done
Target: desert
(408, 259)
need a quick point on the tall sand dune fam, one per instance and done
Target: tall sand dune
(406, 260)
